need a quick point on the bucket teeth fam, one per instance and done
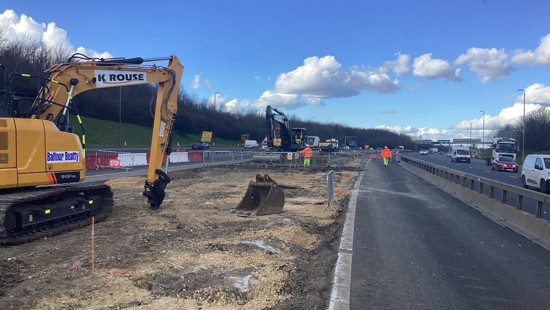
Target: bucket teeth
(262, 197)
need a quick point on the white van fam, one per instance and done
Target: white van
(251, 144)
(460, 154)
(535, 172)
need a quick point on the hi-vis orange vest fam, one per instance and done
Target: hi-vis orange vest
(307, 152)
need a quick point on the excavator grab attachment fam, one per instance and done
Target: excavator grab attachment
(262, 197)
(155, 193)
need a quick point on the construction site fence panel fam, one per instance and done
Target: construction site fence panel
(342, 159)
(102, 159)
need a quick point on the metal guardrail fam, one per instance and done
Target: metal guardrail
(523, 210)
(103, 159)
(210, 158)
(520, 198)
(337, 160)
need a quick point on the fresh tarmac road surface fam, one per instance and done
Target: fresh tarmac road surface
(416, 247)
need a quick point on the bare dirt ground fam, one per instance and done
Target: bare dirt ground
(193, 253)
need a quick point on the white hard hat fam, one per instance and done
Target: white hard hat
(307, 144)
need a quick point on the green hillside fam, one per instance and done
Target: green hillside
(102, 133)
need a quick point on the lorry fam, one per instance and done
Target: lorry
(329, 145)
(280, 137)
(42, 162)
(502, 147)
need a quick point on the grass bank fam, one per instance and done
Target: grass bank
(102, 133)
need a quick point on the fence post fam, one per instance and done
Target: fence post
(330, 190)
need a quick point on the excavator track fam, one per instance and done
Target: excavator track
(30, 214)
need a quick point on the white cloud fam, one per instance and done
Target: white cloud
(426, 67)
(399, 66)
(281, 100)
(536, 96)
(16, 28)
(419, 133)
(25, 28)
(92, 53)
(54, 36)
(536, 93)
(488, 64)
(323, 78)
(230, 106)
(541, 56)
(196, 82)
(320, 77)
(372, 81)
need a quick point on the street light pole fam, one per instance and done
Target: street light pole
(120, 116)
(483, 131)
(214, 118)
(523, 128)
(470, 134)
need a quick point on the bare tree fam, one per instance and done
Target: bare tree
(537, 127)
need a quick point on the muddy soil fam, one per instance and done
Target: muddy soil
(193, 253)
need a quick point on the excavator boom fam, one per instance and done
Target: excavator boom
(37, 148)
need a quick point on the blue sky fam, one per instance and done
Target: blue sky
(423, 68)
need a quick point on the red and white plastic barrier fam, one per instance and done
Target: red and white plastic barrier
(115, 160)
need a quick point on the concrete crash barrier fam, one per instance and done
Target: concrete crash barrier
(491, 197)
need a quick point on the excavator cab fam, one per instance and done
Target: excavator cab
(262, 197)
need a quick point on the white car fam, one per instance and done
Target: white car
(424, 152)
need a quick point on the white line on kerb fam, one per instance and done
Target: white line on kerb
(341, 284)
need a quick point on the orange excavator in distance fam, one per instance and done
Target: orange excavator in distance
(42, 162)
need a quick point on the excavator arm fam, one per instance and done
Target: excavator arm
(69, 79)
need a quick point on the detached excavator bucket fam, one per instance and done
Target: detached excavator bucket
(262, 197)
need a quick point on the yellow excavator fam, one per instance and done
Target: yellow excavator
(42, 162)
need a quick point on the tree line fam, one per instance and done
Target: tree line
(131, 104)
